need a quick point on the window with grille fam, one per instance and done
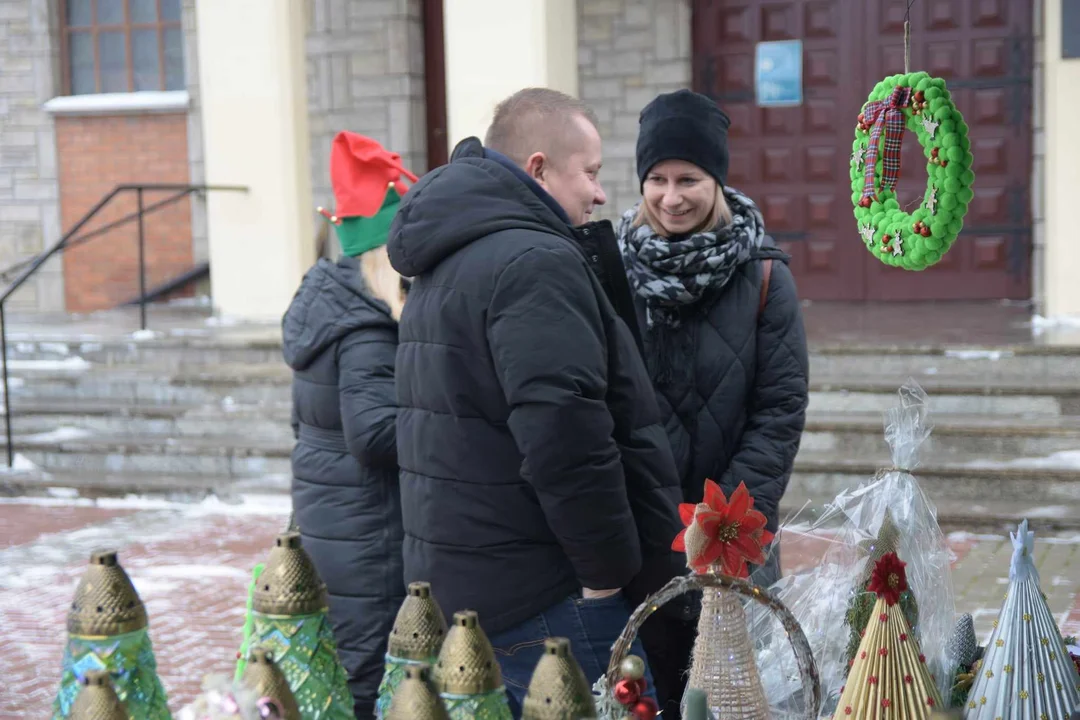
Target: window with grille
(118, 46)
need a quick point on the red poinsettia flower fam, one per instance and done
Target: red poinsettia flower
(889, 578)
(729, 533)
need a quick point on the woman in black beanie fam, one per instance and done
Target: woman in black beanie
(724, 338)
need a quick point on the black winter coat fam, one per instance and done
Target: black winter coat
(532, 458)
(735, 405)
(340, 343)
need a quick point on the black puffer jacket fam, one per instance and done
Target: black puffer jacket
(532, 458)
(735, 405)
(340, 343)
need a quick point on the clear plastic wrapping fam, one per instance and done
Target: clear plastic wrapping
(834, 545)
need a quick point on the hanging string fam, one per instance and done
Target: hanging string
(907, 38)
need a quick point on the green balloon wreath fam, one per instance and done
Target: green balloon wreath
(922, 104)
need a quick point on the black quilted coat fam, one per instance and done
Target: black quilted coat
(340, 343)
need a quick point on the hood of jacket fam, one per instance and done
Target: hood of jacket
(330, 303)
(473, 196)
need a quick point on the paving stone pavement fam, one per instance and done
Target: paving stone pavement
(191, 565)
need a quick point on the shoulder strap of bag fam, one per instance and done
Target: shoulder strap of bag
(766, 270)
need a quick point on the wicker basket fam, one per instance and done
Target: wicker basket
(811, 683)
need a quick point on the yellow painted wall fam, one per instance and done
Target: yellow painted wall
(1061, 181)
(255, 133)
(496, 47)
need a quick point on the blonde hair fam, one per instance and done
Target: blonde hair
(382, 280)
(720, 216)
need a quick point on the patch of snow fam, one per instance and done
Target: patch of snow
(13, 382)
(193, 572)
(198, 301)
(978, 354)
(930, 371)
(62, 492)
(24, 347)
(964, 536)
(222, 321)
(22, 465)
(243, 504)
(146, 335)
(189, 332)
(1063, 460)
(1046, 511)
(56, 348)
(1040, 324)
(69, 363)
(60, 434)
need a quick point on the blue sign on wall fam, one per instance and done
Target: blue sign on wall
(778, 73)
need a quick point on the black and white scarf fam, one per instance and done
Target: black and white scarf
(670, 273)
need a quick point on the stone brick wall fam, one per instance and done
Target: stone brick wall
(97, 153)
(366, 74)
(628, 52)
(29, 200)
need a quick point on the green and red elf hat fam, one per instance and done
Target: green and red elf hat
(368, 185)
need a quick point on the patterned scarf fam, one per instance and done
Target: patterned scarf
(670, 273)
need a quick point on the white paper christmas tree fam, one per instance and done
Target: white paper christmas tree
(1026, 672)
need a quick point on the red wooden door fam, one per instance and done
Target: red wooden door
(794, 161)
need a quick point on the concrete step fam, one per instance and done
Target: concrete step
(953, 437)
(1052, 483)
(990, 364)
(33, 418)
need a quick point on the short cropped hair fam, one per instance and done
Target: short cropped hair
(535, 120)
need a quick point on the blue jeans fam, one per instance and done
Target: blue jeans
(592, 626)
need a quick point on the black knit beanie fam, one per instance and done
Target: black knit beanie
(683, 125)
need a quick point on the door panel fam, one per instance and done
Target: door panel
(794, 162)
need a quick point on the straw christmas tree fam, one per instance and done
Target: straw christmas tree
(418, 633)
(108, 630)
(289, 617)
(722, 537)
(1026, 671)
(467, 675)
(889, 677)
(861, 605)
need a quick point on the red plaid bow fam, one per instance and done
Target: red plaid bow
(887, 116)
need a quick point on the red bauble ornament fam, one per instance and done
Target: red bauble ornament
(626, 692)
(645, 709)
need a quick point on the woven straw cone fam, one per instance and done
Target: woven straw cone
(416, 698)
(289, 584)
(419, 628)
(97, 700)
(466, 664)
(264, 677)
(558, 689)
(723, 665)
(106, 602)
(889, 678)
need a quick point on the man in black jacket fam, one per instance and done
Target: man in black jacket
(538, 486)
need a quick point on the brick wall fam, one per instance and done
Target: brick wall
(97, 153)
(365, 73)
(29, 210)
(628, 52)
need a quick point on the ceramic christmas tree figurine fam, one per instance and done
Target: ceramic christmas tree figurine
(97, 700)
(1026, 671)
(418, 633)
(889, 672)
(467, 675)
(289, 617)
(108, 630)
(722, 536)
(416, 697)
(558, 688)
(262, 674)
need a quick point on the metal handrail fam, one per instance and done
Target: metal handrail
(69, 241)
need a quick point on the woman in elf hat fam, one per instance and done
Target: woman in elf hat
(340, 339)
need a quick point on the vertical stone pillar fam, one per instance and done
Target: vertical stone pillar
(255, 133)
(485, 63)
